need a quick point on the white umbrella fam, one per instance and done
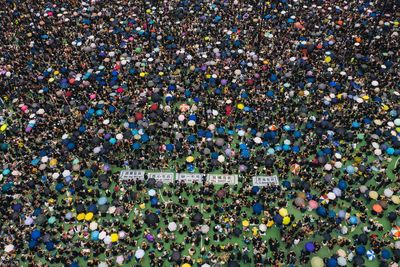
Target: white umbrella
(191, 123)
(40, 111)
(172, 226)
(388, 192)
(342, 261)
(338, 165)
(257, 140)
(262, 227)
(331, 196)
(121, 234)
(139, 253)
(119, 259)
(66, 173)
(119, 136)
(287, 142)
(338, 155)
(93, 226)
(9, 248)
(344, 230)
(111, 209)
(241, 133)
(205, 265)
(103, 264)
(97, 150)
(328, 167)
(205, 228)
(55, 175)
(44, 159)
(378, 152)
(221, 158)
(152, 192)
(107, 240)
(375, 83)
(102, 235)
(28, 221)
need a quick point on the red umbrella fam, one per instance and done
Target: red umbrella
(154, 106)
(138, 116)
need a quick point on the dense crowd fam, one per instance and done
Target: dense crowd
(305, 90)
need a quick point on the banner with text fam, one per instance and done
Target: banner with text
(135, 175)
(165, 177)
(189, 177)
(230, 179)
(265, 180)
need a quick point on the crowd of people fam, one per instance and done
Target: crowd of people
(307, 90)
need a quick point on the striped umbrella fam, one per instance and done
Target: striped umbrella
(370, 255)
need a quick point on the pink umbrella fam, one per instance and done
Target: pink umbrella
(313, 204)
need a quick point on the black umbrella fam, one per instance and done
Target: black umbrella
(269, 162)
(392, 216)
(197, 218)
(362, 239)
(151, 182)
(237, 232)
(151, 219)
(176, 256)
(233, 264)
(358, 260)
(80, 208)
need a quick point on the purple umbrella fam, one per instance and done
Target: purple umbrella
(150, 238)
(310, 246)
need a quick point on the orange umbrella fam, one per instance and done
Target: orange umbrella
(377, 208)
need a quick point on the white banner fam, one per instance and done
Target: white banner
(189, 177)
(165, 177)
(230, 179)
(265, 180)
(131, 175)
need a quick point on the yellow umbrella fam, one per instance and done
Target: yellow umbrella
(286, 220)
(89, 216)
(385, 107)
(142, 206)
(373, 194)
(317, 262)
(270, 223)
(396, 199)
(56, 72)
(283, 212)
(3, 127)
(186, 265)
(328, 59)
(245, 223)
(53, 162)
(114, 237)
(190, 159)
(80, 216)
(365, 97)
(240, 106)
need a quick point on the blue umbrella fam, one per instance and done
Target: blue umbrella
(309, 246)
(88, 173)
(17, 207)
(350, 169)
(386, 254)
(353, 220)
(361, 250)
(169, 147)
(92, 208)
(321, 211)
(332, 262)
(35, 234)
(95, 235)
(342, 185)
(102, 201)
(278, 219)
(50, 246)
(136, 146)
(32, 243)
(258, 208)
(154, 201)
(255, 189)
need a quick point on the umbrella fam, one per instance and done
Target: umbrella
(370, 255)
(176, 255)
(205, 229)
(299, 202)
(313, 204)
(388, 192)
(283, 212)
(317, 262)
(332, 262)
(151, 219)
(233, 264)
(373, 194)
(377, 208)
(172, 226)
(9, 248)
(258, 208)
(342, 261)
(309, 246)
(93, 226)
